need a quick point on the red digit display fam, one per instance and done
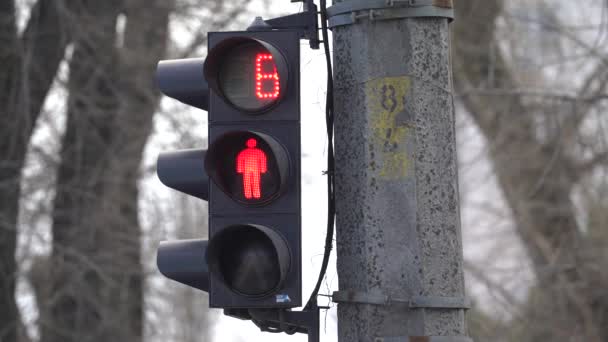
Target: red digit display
(251, 163)
(266, 83)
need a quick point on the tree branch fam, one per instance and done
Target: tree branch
(586, 166)
(218, 23)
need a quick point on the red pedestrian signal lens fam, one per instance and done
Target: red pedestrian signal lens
(252, 168)
(251, 163)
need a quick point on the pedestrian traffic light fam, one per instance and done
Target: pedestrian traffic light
(253, 162)
(250, 174)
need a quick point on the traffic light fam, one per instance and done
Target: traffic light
(250, 173)
(253, 162)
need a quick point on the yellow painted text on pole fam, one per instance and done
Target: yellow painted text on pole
(386, 101)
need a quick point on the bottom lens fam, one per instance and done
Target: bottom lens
(252, 260)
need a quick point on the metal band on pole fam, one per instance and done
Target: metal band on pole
(348, 13)
(423, 339)
(416, 302)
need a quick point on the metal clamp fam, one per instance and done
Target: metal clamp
(410, 3)
(416, 302)
(349, 12)
(423, 302)
(306, 23)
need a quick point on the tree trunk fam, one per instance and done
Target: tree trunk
(28, 65)
(10, 168)
(97, 279)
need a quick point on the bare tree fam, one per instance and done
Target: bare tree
(93, 289)
(542, 153)
(28, 64)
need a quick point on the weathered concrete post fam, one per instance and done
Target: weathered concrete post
(398, 225)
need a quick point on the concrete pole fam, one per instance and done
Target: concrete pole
(399, 246)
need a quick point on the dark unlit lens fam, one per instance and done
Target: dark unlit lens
(250, 263)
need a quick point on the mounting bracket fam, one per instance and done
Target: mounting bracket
(282, 320)
(306, 23)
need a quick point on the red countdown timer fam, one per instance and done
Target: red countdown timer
(264, 62)
(249, 77)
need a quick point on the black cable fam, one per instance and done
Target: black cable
(329, 121)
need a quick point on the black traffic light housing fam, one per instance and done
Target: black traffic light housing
(249, 83)
(253, 256)
(254, 237)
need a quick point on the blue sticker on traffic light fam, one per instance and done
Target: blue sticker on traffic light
(283, 298)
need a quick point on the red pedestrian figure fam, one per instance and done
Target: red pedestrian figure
(251, 162)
